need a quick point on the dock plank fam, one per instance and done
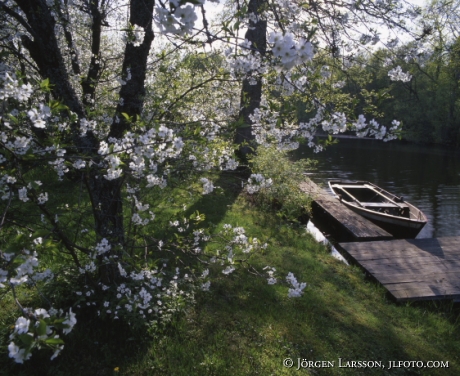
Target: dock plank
(411, 269)
(358, 227)
(423, 294)
(417, 277)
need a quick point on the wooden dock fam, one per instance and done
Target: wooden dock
(347, 224)
(411, 269)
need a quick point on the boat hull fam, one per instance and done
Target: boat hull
(388, 211)
(400, 229)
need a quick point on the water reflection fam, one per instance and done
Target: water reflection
(428, 177)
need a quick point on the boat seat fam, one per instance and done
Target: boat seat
(381, 205)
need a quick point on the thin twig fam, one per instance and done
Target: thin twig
(6, 209)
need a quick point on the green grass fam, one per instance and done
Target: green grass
(243, 326)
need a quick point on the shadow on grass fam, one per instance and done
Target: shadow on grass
(94, 347)
(215, 206)
(246, 327)
(98, 347)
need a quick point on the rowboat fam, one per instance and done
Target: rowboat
(390, 212)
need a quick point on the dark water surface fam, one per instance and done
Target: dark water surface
(426, 176)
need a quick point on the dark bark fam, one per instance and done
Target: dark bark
(135, 58)
(105, 195)
(252, 94)
(107, 204)
(44, 50)
(69, 39)
(89, 84)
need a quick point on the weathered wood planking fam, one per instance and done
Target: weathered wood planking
(355, 225)
(412, 269)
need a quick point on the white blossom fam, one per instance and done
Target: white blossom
(208, 187)
(228, 270)
(257, 182)
(396, 74)
(79, 164)
(70, 321)
(42, 198)
(42, 313)
(297, 288)
(22, 325)
(23, 194)
(19, 355)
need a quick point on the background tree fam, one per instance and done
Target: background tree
(427, 101)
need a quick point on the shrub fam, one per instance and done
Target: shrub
(276, 180)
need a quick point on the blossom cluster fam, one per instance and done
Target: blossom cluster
(396, 74)
(336, 124)
(237, 247)
(297, 288)
(178, 20)
(142, 295)
(256, 182)
(40, 329)
(13, 88)
(271, 275)
(307, 130)
(207, 158)
(208, 187)
(373, 128)
(135, 35)
(249, 63)
(154, 146)
(266, 129)
(290, 52)
(38, 117)
(36, 328)
(27, 271)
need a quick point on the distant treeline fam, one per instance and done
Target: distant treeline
(428, 104)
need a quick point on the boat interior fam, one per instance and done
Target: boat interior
(368, 197)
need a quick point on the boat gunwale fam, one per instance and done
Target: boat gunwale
(361, 184)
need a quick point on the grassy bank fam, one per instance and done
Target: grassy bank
(244, 326)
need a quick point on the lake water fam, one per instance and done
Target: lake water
(428, 177)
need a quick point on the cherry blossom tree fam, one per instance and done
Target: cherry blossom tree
(82, 107)
(288, 35)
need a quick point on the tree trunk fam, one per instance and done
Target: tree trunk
(135, 58)
(105, 195)
(251, 94)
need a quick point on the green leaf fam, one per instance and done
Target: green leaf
(197, 216)
(54, 341)
(34, 185)
(40, 233)
(41, 329)
(13, 119)
(45, 85)
(26, 339)
(59, 321)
